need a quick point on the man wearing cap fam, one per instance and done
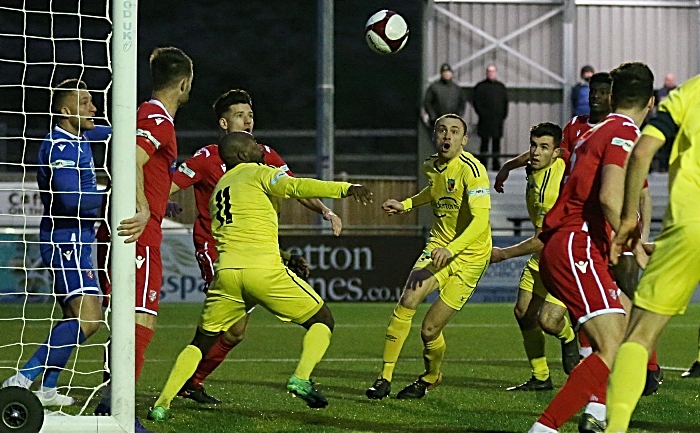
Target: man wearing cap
(444, 97)
(579, 94)
(491, 105)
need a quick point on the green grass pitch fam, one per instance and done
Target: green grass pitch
(484, 356)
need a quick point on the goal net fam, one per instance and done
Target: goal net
(45, 42)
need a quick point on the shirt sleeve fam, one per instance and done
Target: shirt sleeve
(278, 183)
(65, 182)
(619, 146)
(192, 170)
(100, 133)
(419, 199)
(274, 159)
(151, 136)
(477, 189)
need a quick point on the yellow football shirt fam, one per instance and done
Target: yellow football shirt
(543, 190)
(243, 208)
(453, 190)
(678, 119)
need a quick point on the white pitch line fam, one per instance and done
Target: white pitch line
(367, 325)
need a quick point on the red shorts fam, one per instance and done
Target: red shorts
(206, 256)
(149, 279)
(149, 273)
(575, 270)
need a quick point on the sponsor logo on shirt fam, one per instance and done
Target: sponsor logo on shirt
(625, 144)
(478, 192)
(60, 163)
(450, 185)
(186, 170)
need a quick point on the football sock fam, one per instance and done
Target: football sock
(396, 333)
(433, 353)
(55, 351)
(626, 385)
(316, 341)
(533, 340)
(185, 365)
(585, 349)
(211, 361)
(143, 338)
(653, 364)
(587, 382)
(567, 334)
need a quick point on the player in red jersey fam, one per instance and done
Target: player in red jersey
(202, 171)
(576, 234)
(156, 153)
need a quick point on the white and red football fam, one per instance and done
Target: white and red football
(386, 32)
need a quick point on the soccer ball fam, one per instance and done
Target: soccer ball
(386, 32)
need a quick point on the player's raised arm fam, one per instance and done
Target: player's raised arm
(510, 165)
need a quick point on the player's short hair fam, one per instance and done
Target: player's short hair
(169, 65)
(600, 78)
(547, 129)
(451, 116)
(633, 85)
(63, 90)
(232, 97)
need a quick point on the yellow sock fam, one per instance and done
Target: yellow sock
(433, 353)
(533, 340)
(184, 368)
(625, 385)
(567, 334)
(396, 333)
(316, 341)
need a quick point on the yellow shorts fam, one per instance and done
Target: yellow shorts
(673, 273)
(456, 281)
(235, 291)
(530, 281)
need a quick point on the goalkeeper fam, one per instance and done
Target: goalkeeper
(248, 270)
(68, 185)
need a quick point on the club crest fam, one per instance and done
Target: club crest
(450, 185)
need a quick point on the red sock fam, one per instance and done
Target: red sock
(583, 340)
(587, 382)
(653, 364)
(143, 338)
(211, 360)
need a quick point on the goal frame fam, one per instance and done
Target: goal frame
(124, 51)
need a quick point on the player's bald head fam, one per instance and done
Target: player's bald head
(239, 146)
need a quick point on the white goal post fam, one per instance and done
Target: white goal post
(124, 51)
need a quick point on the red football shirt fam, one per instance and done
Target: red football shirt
(608, 142)
(203, 170)
(573, 131)
(155, 133)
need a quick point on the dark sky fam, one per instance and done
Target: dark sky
(267, 48)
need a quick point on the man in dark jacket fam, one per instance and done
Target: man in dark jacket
(444, 97)
(579, 94)
(491, 104)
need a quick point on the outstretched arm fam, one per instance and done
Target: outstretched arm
(317, 206)
(510, 165)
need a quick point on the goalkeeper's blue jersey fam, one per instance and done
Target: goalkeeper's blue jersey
(68, 185)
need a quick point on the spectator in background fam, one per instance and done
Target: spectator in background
(669, 84)
(491, 104)
(579, 94)
(444, 97)
(660, 162)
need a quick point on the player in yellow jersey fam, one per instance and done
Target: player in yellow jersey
(249, 271)
(455, 258)
(535, 309)
(672, 273)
